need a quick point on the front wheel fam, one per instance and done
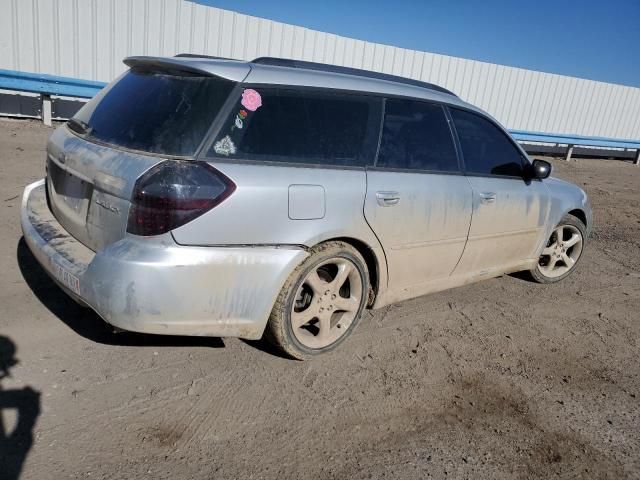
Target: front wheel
(321, 302)
(563, 251)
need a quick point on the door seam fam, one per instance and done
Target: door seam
(469, 229)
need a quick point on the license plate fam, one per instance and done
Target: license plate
(67, 279)
(70, 190)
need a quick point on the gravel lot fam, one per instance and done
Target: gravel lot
(501, 379)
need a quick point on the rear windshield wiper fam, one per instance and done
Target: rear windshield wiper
(79, 126)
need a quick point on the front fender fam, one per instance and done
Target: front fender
(565, 197)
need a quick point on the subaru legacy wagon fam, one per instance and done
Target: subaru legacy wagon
(203, 196)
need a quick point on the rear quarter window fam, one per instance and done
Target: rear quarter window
(152, 111)
(300, 126)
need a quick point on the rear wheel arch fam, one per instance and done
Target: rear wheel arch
(373, 263)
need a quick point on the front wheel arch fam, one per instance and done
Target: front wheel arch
(580, 215)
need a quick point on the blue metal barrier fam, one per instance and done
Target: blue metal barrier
(48, 84)
(572, 139)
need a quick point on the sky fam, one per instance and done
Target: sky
(598, 40)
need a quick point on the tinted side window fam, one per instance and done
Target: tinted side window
(416, 135)
(486, 149)
(285, 125)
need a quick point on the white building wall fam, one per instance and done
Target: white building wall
(87, 39)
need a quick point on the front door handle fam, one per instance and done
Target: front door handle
(387, 199)
(487, 197)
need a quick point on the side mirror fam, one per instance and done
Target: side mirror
(539, 169)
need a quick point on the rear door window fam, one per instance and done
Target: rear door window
(159, 112)
(300, 126)
(486, 149)
(416, 136)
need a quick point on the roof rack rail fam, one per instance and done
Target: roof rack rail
(324, 67)
(197, 55)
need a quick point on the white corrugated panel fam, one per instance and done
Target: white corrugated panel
(89, 38)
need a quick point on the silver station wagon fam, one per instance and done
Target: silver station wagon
(204, 196)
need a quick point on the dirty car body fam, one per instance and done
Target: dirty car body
(181, 198)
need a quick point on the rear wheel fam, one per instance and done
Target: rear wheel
(321, 302)
(563, 251)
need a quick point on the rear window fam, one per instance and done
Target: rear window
(297, 126)
(167, 113)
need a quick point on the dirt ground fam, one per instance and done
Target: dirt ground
(501, 379)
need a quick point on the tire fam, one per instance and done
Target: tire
(329, 289)
(560, 252)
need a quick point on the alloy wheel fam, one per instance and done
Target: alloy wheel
(326, 303)
(562, 251)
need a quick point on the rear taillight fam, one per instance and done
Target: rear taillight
(173, 193)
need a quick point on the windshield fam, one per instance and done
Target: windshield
(154, 111)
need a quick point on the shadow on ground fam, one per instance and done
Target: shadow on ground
(15, 441)
(85, 321)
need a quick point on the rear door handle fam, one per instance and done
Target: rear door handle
(387, 199)
(487, 197)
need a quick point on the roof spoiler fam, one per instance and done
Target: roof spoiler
(222, 68)
(198, 55)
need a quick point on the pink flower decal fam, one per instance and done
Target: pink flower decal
(251, 100)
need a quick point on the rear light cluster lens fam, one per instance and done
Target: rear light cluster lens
(173, 193)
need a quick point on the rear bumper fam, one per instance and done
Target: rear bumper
(151, 286)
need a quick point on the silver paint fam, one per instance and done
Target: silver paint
(221, 273)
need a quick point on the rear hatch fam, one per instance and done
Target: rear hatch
(157, 110)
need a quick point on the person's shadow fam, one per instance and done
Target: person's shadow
(15, 444)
